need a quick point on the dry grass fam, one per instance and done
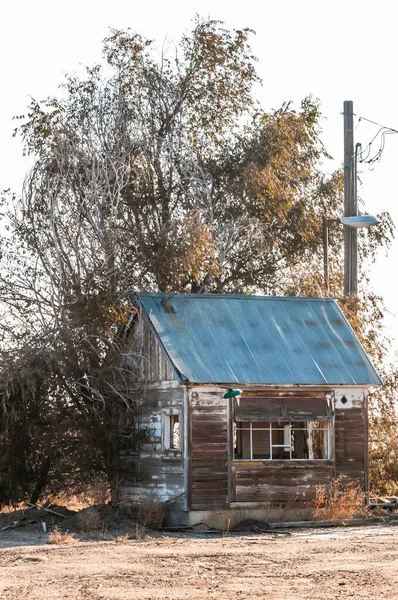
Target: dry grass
(57, 537)
(5, 509)
(226, 529)
(89, 521)
(122, 539)
(150, 513)
(339, 501)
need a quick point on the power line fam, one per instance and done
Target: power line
(366, 156)
(378, 124)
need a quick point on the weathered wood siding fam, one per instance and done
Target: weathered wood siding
(209, 449)
(278, 481)
(152, 471)
(145, 359)
(156, 473)
(351, 444)
(216, 481)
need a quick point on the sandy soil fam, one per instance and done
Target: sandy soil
(321, 564)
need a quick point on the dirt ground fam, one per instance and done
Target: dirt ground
(314, 564)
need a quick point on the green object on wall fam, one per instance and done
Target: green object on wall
(232, 393)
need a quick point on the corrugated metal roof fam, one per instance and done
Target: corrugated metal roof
(271, 340)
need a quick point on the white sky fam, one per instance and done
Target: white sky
(336, 50)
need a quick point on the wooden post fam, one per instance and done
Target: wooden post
(350, 204)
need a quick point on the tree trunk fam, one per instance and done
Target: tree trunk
(41, 480)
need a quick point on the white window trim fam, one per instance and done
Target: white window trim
(328, 427)
(166, 433)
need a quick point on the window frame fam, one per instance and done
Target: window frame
(167, 418)
(286, 427)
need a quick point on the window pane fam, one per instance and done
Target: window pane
(242, 442)
(299, 442)
(242, 425)
(306, 408)
(175, 432)
(281, 442)
(319, 437)
(260, 439)
(278, 451)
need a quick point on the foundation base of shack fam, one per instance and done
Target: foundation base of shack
(226, 519)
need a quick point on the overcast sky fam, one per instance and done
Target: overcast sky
(335, 50)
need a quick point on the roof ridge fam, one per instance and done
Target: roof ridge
(235, 296)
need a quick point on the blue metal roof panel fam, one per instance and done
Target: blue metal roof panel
(259, 340)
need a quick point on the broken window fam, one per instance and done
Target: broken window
(282, 428)
(295, 440)
(171, 431)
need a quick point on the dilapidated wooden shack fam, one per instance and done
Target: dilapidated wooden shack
(300, 420)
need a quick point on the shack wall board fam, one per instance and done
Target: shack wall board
(278, 482)
(145, 359)
(155, 472)
(216, 480)
(208, 449)
(351, 444)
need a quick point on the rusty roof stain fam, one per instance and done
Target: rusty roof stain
(268, 340)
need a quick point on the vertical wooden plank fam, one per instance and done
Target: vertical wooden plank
(229, 446)
(366, 447)
(209, 449)
(189, 451)
(149, 352)
(350, 432)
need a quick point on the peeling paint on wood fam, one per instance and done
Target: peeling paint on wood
(348, 398)
(156, 474)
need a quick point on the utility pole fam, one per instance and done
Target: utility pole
(350, 203)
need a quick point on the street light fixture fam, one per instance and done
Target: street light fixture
(355, 222)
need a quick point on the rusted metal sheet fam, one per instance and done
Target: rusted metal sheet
(213, 338)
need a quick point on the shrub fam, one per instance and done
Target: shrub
(59, 538)
(89, 520)
(339, 501)
(122, 539)
(150, 513)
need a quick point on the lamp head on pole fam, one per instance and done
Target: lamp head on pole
(359, 221)
(354, 222)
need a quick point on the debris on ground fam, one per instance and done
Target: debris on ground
(43, 519)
